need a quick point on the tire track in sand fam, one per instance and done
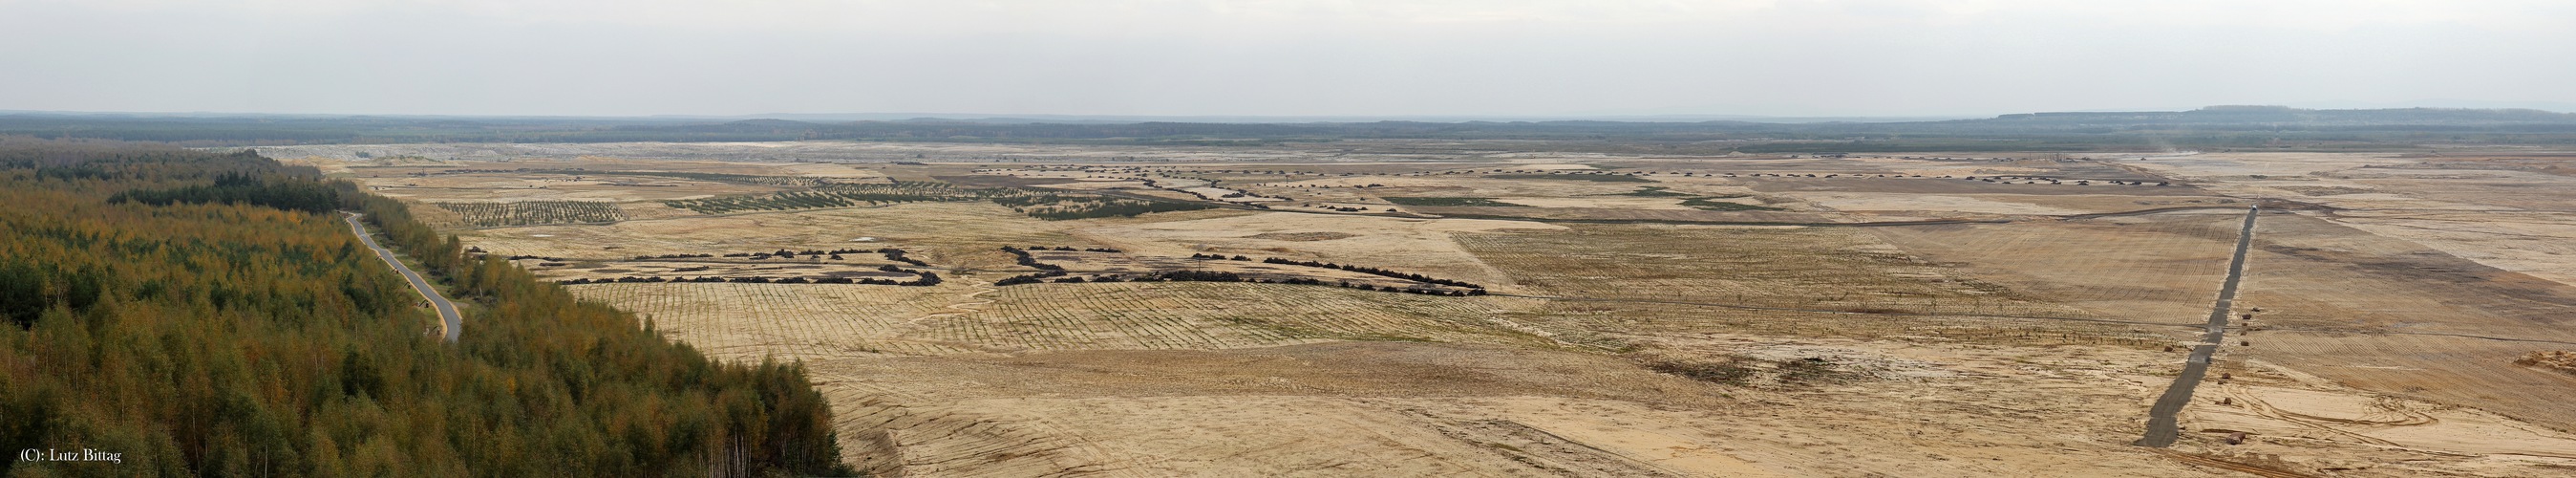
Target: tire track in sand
(968, 306)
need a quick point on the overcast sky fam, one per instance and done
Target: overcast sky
(1290, 58)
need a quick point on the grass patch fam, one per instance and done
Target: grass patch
(1653, 192)
(1747, 371)
(1450, 201)
(1710, 204)
(1604, 178)
(1811, 370)
(1727, 372)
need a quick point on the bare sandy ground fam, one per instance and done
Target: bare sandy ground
(1384, 408)
(2510, 219)
(2377, 354)
(2161, 268)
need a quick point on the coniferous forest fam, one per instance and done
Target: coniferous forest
(202, 313)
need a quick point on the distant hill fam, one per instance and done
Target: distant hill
(2243, 115)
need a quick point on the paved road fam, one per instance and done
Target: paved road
(2161, 426)
(446, 310)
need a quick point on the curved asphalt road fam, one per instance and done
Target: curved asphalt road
(446, 310)
(2161, 426)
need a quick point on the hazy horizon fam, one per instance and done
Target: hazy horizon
(2567, 108)
(1244, 59)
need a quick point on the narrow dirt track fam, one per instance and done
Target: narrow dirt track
(455, 324)
(1841, 312)
(2141, 212)
(1927, 222)
(2162, 427)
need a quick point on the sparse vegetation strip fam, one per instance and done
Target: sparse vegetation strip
(1850, 311)
(1042, 205)
(1353, 268)
(1449, 201)
(530, 213)
(1929, 222)
(1710, 204)
(1057, 274)
(1656, 192)
(2141, 212)
(846, 195)
(921, 278)
(712, 177)
(1594, 177)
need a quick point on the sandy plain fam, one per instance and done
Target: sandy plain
(1624, 339)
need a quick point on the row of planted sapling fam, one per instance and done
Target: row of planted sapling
(1411, 283)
